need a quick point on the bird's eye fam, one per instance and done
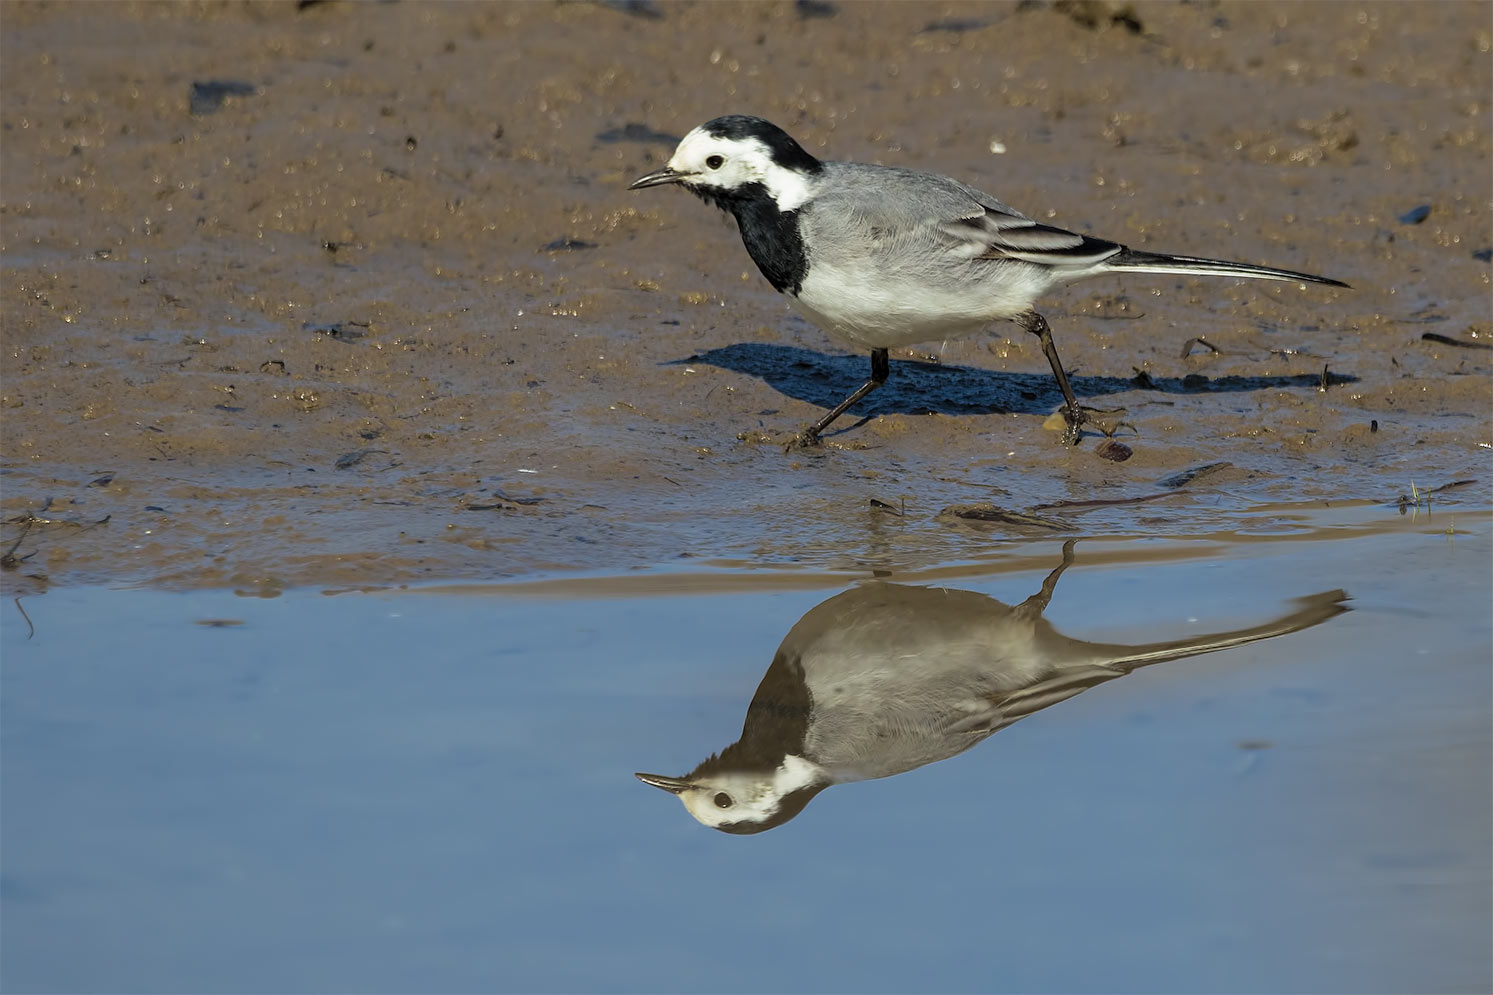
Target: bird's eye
(722, 800)
(716, 162)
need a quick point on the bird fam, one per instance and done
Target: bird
(882, 256)
(885, 678)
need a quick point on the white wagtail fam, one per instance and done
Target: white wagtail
(883, 257)
(884, 679)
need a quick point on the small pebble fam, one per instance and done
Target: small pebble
(1416, 215)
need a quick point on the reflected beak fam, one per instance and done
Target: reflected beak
(673, 785)
(653, 179)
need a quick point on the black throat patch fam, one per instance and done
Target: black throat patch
(777, 721)
(771, 235)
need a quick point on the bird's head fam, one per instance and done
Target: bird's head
(745, 802)
(737, 158)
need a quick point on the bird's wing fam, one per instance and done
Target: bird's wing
(1007, 707)
(994, 231)
(1060, 686)
(863, 205)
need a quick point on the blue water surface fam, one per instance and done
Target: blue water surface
(416, 791)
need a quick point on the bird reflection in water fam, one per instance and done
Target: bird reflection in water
(884, 678)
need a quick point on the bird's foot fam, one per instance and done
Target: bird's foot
(807, 439)
(1077, 416)
(787, 441)
(1112, 428)
(1074, 419)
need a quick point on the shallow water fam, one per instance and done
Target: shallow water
(431, 789)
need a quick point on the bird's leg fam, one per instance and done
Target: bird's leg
(1075, 414)
(1033, 322)
(880, 370)
(1037, 603)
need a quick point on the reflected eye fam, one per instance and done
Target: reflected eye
(716, 162)
(722, 800)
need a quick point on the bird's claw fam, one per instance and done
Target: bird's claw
(1112, 429)
(1077, 416)
(807, 439)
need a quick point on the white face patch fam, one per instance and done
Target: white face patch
(749, 797)
(729, 164)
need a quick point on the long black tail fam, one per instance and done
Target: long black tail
(1156, 262)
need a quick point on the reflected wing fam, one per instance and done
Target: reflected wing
(1023, 702)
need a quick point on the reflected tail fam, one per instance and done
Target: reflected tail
(1311, 610)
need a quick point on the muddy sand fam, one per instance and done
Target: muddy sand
(347, 294)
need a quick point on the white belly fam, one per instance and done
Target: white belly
(901, 310)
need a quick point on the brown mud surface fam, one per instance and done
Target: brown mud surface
(355, 293)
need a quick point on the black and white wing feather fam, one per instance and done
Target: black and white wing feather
(970, 225)
(997, 232)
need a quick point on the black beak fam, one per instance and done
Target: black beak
(673, 785)
(657, 178)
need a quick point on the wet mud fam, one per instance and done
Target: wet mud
(344, 294)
